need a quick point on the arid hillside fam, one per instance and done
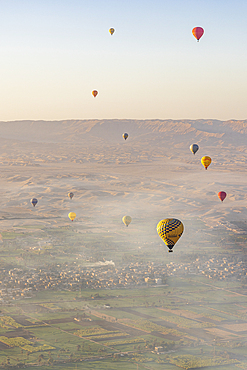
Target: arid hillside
(150, 176)
(77, 130)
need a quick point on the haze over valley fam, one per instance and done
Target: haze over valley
(149, 176)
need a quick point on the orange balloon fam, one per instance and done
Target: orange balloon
(198, 32)
(95, 93)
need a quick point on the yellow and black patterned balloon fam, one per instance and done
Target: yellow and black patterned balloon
(170, 231)
(111, 30)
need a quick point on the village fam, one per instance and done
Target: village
(19, 283)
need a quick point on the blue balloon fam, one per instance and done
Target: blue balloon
(194, 148)
(34, 201)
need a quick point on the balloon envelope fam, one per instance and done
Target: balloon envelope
(194, 148)
(170, 230)
(125, 136)
(95, 93)
(198, 32)
(111, 30)
(126, 220)
(72, 215)
(206, 161)
(222, 195)
(70, 195)
(34, 201)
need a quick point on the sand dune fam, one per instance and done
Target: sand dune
(150, 176)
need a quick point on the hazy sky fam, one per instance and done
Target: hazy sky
(53, 53)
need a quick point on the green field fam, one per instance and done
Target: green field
(79, 332)
(198, 322)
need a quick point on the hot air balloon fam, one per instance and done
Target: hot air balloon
(198, 32)
(95, 93)
(125, 136)
(72, 215)
(126, 220)
(111, 30)
(194, 148)
(34, 201)
(222, 195)
(206, 161)
(70, 195)
(170, 231)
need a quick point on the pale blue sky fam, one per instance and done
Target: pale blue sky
(53, 53)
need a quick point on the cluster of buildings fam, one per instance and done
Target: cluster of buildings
(18, 283)
(214, 268)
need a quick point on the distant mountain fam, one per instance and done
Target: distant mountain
(187, 131)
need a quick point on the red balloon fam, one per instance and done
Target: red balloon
(95, 93)
(222, 195)
(198, 32)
